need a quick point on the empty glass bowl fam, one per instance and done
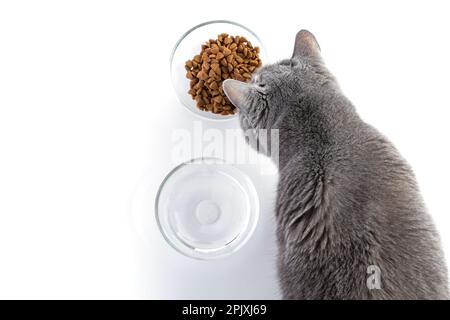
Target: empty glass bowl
(190, 45)
(207, 208)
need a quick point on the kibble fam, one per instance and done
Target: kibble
(227, 57)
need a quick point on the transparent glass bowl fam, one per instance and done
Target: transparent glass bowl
(207, 208)
(189, 45)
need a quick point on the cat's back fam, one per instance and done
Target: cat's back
(349, 206)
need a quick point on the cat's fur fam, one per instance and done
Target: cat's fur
(346, 198)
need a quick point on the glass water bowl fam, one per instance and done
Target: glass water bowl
(207, 208)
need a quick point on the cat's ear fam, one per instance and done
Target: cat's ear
(237, 92)
(306, 45)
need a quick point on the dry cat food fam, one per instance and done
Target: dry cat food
(227, 57)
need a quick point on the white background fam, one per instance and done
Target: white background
(84, 86)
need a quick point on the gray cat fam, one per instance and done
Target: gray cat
(351, 223)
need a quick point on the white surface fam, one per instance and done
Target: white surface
(85, 98)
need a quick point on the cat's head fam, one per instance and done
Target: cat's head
(274, 89)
